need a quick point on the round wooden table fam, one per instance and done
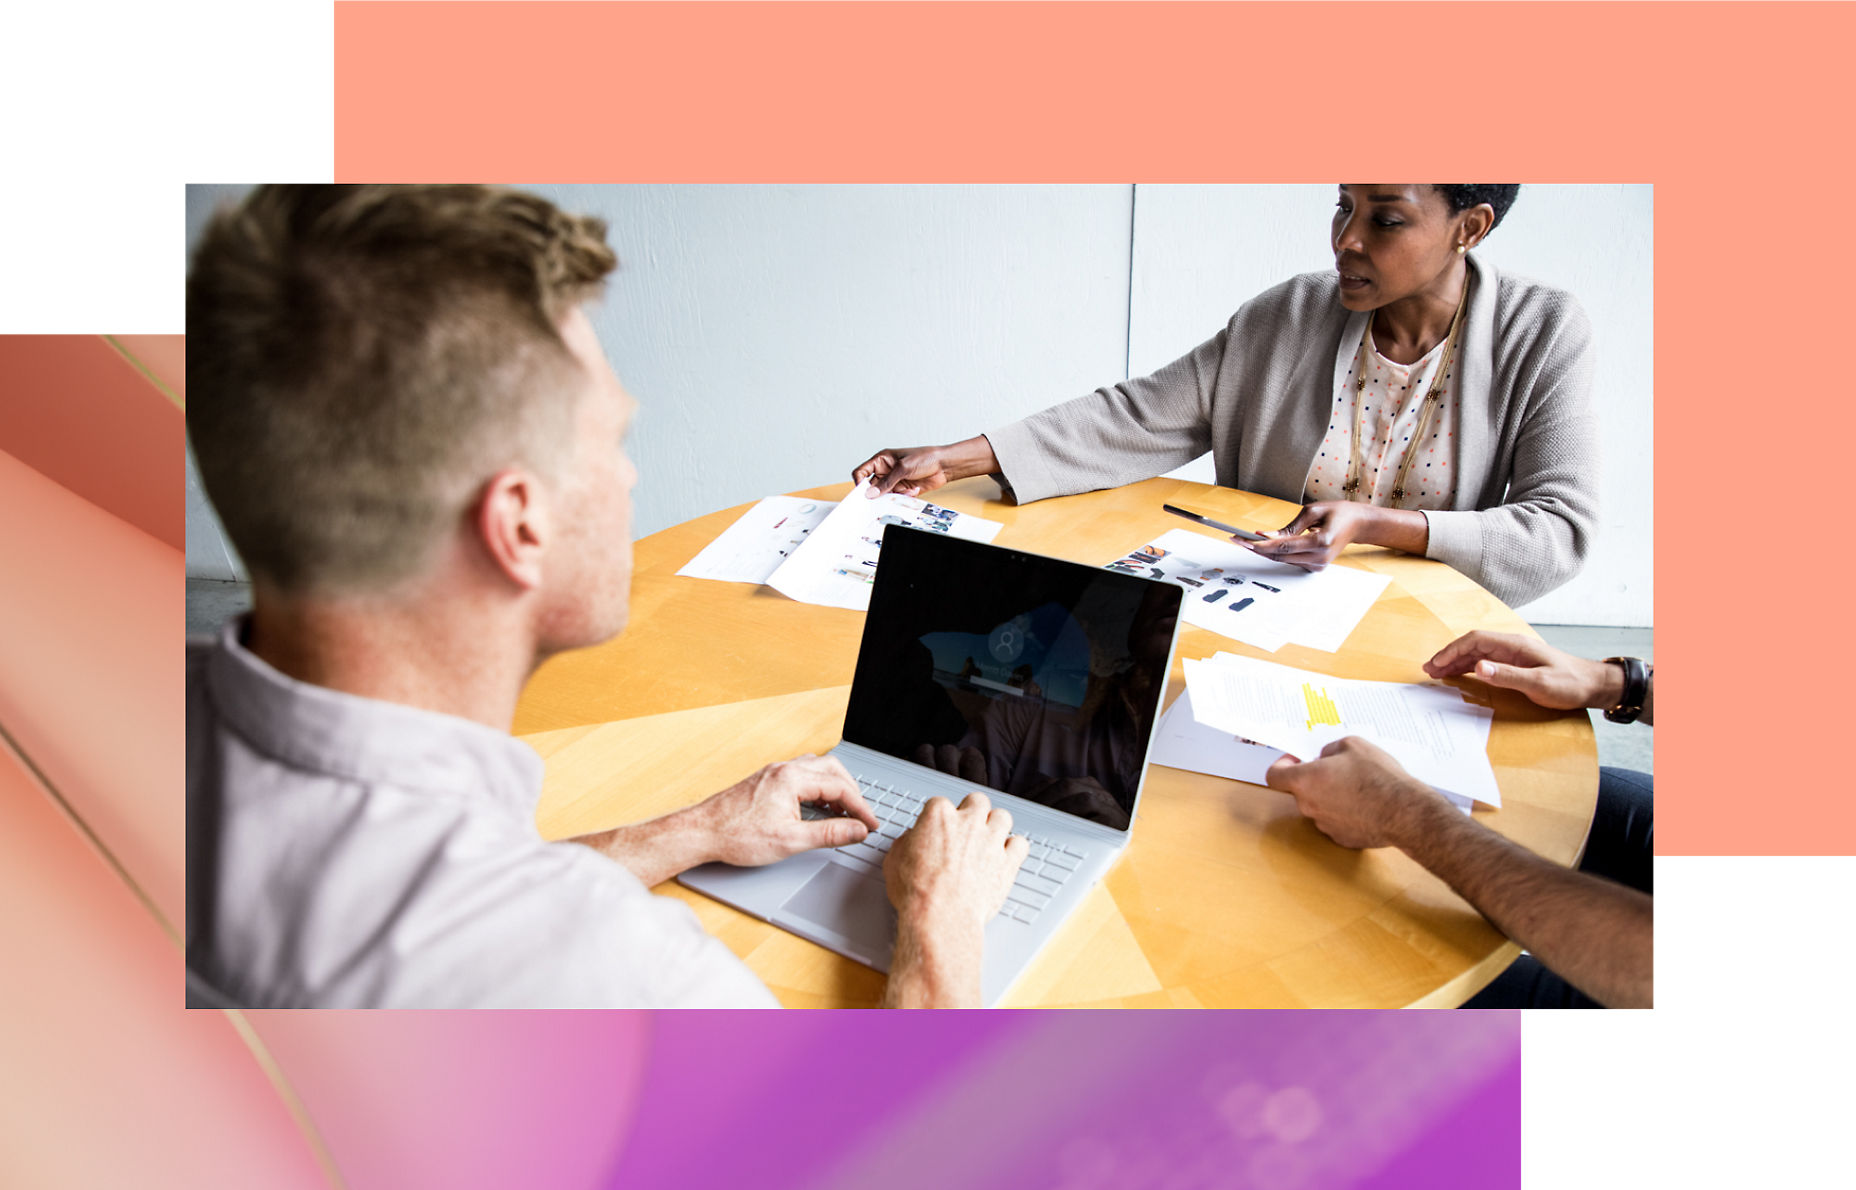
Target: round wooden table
(1226, 897)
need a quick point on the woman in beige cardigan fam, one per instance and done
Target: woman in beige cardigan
(1413, 398)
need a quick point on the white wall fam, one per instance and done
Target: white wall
(1597, 241)
(209, 550)
(777, 335)
(1202, 251)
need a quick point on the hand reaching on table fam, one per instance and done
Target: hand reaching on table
(947, 876)
(911, 471)
(1543, 673)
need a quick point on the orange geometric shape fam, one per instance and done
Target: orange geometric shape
(75, 410)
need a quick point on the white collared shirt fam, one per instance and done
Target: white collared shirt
(344, 852)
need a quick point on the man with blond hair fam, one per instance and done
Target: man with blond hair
(415, 441)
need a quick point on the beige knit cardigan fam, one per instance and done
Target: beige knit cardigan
(1259, 395)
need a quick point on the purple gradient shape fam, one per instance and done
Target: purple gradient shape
(771, 1099)
(778, 1101)
(1475, 1146)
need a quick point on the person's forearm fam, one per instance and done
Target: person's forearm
(657, 850)
(936, 964)
(1396, 529)
(963, 460)
(1593, 933)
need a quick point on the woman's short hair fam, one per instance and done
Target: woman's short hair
(362, 358)
(1463, 197)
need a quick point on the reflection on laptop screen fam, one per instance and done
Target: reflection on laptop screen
(1034, 676)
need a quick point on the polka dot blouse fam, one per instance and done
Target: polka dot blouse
(1391, 404)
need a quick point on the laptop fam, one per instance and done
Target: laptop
(1034, 680)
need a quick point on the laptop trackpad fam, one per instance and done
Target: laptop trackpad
(848, 903)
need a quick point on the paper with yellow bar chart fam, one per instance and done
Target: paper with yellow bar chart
(1439, 738)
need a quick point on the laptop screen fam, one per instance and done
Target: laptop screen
(1031, 675)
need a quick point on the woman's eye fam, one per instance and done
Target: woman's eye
(1389, 222)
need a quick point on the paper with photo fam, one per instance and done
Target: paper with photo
(1229, 590)
(1430, 729)
(836, 564)
(1182, 742)
(752, 548)
(1237, 593)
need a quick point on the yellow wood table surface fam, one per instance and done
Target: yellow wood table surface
(1226, 896)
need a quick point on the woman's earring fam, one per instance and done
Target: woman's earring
(1460, 249)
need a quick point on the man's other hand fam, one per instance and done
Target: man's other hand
(947, 876)
(954, 867)
(1356, 794)
(757, 821)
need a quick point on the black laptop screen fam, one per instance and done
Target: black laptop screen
(1027, 674)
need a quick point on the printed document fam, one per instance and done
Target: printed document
(1182, 742)
(836, 564)
(1237, 593)
(1430, 729)
(752, 548)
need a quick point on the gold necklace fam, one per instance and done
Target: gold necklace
(1433, 400)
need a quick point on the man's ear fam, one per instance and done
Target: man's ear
(512, 525)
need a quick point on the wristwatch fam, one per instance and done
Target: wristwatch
(1636, 689)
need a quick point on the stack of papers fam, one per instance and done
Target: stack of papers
(819, 552)
(1441, 739)
(1237, 593)
(752, 548)
(1182, 742)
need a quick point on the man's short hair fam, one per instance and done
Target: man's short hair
(360, 359)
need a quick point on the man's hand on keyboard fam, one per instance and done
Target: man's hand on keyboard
(757, 821)
(752, 822)
(947, 877)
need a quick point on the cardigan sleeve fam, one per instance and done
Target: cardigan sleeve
(1538, 536)
(1120, 434)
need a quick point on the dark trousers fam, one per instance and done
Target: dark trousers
(1620, 848)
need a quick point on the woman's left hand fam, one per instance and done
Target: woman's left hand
(1318, 533)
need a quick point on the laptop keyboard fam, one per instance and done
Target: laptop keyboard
(1046, 869)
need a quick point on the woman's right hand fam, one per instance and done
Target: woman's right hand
(916, 469)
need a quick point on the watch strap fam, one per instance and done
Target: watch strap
(1636, 689)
